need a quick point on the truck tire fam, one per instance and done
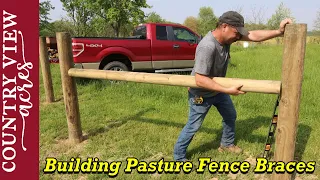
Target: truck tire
(116, 66)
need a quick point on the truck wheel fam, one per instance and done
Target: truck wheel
(116, 66)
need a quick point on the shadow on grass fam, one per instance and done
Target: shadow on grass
(244, 130)
(117, 123)
(86, 81)
(303, 136)
(98, 83)
(232, 65)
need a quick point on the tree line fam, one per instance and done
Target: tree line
(117, 18)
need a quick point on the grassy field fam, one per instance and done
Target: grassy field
(144, 120)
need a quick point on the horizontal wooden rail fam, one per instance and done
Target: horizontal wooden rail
(249, 85)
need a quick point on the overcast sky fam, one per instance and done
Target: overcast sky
(305, 11)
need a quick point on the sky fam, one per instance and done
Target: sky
(304, 11)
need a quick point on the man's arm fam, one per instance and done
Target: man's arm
(208, 83)
(262, 35)
(203, 65)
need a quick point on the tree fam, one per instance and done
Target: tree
(118, 13)
(257, 16)
(192, 23)
(238, 9)
(100, 28)
(80, 15)
(207, 20)
(126, 30)
(44, 8)
(154, 17)
(317, 22)
(281, 13)
(256, 21)
(63, 25)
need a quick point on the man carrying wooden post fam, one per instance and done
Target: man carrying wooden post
(211, 60)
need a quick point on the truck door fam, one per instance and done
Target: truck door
(185, 42)
(162, 48)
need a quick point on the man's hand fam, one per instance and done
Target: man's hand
(210, 84)
(235, 90)
(283, 24)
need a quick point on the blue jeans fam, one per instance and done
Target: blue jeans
(197, 113)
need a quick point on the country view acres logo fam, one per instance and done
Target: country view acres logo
(16, 88)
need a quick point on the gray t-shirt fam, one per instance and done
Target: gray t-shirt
(211, 60)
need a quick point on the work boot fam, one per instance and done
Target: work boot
(233, 148)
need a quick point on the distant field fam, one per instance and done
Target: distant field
(310, 40)
(144, 120)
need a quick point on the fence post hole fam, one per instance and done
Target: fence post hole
(45, 69)
(69, 87)
(292, 74)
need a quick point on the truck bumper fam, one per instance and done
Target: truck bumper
(78, 65)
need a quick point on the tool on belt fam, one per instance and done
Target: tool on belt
(198, 100)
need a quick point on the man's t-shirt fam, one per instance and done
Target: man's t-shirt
(211, 60)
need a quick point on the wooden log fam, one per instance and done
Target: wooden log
(45, 69)
(249, 85)
(292, 74)
(69, 87)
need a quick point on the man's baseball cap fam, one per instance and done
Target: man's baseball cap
(234, 19)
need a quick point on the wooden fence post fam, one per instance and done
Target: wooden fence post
(292, 75)
(45, 69)
(69, 87)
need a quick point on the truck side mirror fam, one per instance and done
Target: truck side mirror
(192, 41)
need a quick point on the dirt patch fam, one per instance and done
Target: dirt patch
(65, 146)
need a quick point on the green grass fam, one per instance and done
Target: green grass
(144, 120)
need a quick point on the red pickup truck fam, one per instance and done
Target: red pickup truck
(152, 46)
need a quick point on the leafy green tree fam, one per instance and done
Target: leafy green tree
(207, 20)
(100, 28)
(127, 30)
(192, 23)
(63, 25)
(281, 13)
(44, 9)
(118, 13)
(79, 13)
(154, 17)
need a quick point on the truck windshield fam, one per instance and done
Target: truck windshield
(140, 31)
